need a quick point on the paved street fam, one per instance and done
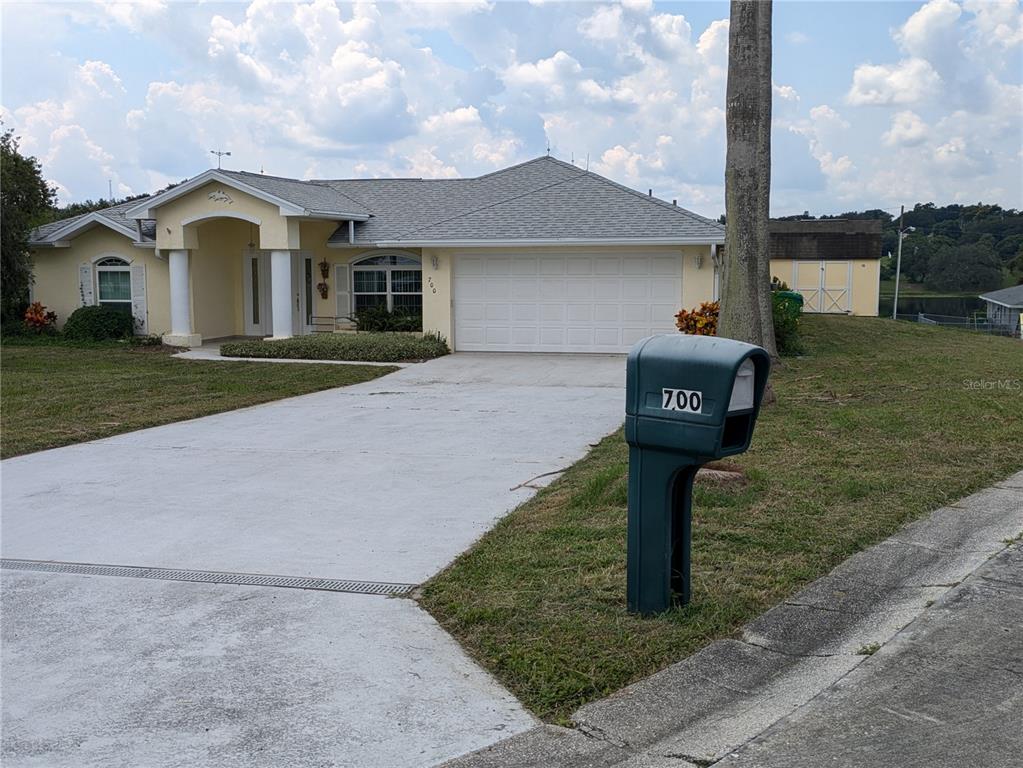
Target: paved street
(385, 481)
(946, 692)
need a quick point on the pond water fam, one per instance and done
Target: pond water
(954, 306)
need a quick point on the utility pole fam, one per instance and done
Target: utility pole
(898, 262)
(898, 266)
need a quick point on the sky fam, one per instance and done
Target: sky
(876, 104)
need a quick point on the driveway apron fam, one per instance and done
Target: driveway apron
(386, 481)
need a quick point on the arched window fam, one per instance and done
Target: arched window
(393, 281)
(113, 283)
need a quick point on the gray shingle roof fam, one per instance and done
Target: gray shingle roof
(1012, 297)
(114, 214)
(542, 199)
(311, 195)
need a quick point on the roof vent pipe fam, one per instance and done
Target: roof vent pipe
(674, 201)
(650, 193)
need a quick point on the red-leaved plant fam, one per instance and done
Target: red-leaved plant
(38, 319)
(702, 321)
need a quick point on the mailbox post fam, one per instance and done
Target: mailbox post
(689, 400)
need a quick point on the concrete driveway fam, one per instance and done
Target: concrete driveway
(385, 481)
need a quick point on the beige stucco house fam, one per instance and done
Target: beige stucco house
(539, 257)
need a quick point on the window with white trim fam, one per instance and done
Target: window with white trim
(113, 283)
(390, 281)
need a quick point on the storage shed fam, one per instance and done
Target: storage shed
(833, 263)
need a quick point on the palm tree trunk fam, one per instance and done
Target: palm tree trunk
(746, 274)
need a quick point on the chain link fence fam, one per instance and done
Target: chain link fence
(977, 323)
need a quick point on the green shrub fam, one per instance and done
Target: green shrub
(379, 319)
(368, 347)
(98, 323)
(149, 340)
(786, 312)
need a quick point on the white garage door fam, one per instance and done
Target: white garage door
(563, 303)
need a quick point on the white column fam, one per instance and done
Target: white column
(180, 303)
(181, 316)
(280, 293)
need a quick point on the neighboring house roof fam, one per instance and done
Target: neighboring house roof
(113, 217)
(1007, 297)
(825, 239)
(542, 201)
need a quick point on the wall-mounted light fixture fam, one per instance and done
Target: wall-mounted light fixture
(324, 269)
(435, 262)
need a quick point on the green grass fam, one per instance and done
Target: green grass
(370, 347)
(878, 424)
(54, 394)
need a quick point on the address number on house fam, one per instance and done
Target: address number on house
(681, 400)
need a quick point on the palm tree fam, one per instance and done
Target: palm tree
(746, 273)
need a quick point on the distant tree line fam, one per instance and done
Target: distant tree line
(953, 247)
(87, 206)
(27, 201)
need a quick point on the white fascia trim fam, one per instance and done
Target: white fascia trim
(332, 215)
(87, 222)
(144, 210)
(1001, 303)
(536, 242)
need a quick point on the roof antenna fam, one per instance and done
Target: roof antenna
(220, 155)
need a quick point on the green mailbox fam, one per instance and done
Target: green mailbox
(689, 400)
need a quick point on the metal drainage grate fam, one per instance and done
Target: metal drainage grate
(212, 577)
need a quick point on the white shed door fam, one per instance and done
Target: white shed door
(826, 286)
(563, 303)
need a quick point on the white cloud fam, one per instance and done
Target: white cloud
(907, 130)
(332, 89)
(907, 82)
(785, 92)
(932, 32)
(604, 24)
(997, 22)
(101, 78)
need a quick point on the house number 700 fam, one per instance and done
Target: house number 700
(682, 400)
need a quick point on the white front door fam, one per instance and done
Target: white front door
(258, 307)
(256, 280)
(581, 302)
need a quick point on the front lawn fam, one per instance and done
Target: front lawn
(53, 395)
(879, 424)
(366, 347)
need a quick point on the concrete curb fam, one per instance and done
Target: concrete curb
(202, 354)
(705, 707)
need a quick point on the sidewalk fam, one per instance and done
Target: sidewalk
(909, 653)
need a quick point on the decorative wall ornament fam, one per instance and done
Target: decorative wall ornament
(220, 196)
(324, 269)
(323, 288)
